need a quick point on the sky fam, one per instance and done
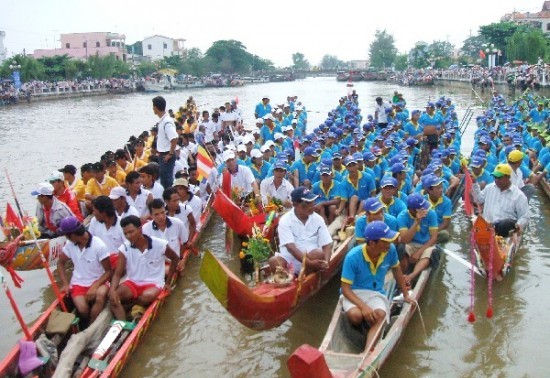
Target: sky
(271, 30)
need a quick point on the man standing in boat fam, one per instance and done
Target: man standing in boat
(505, 206)
(142, 257)
(303, 236)
(363, 274)
(166, 142)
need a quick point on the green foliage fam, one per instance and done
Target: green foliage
(382, 50)
(231, 56)
(471, 47)
(527, 44)
(54, 67)
(299, 61)
(331, 62)
(419, 55)
(498, 34)
(136, 48)
(401, 62)
(145, 69)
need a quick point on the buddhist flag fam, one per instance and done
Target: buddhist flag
(481, 54)
(204, 163)
(13, 219)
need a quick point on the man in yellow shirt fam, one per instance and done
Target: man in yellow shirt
(99, 185)
(114, 171)
(122, 161)
(141, 156)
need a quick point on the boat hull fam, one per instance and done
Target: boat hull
(267, 305)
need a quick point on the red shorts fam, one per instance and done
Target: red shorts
(113, 260)
(136, 289)
(77, 291)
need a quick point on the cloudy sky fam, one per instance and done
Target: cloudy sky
(273, 30)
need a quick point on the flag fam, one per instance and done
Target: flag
(13, 219)
(481, 54)
(204, 163)
(468, 207)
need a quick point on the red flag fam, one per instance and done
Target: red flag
(468, 207)
(13, 218)
(481, 54)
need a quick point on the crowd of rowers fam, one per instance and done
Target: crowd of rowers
(141, 205)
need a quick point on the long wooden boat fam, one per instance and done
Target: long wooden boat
(27, 255)
(342, 352)
(268, 304)
(545, 186)
(120, 349)
(503, 249)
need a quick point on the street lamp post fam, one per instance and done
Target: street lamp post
(16, 74)
(491, 52)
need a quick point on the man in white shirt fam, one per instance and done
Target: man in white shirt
(136, 196)
(188, 198)
(210, 128)
(380, 114)
(148, 180)
(167, 138)
(122, 208)
(504, 205)
(106, 225)
(176, 209)
(242, 178)
(277, 186)
(88, 286)
(143, 258)
(302, 231)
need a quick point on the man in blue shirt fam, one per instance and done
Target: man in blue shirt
(327, 190)
(363, 274)
(439, 203)
(304, 170)
(356, 187)
(374, 211)
(263, 108)
(418, 228)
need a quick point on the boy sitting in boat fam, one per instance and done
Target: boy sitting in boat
(142, 257)
(90, 256)
(363, 274)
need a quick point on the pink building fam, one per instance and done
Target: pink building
(83, 45)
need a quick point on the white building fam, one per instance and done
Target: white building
(3, 50)
(536, 19)
(157, 47)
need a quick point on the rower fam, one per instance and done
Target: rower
(142, 257)
(277, 186)
(122, 208)
(363, 275)
(418, 227)
(136, 196)
(50, 211)
(64, 194)
(327, 190)
(441, 204)
(106, 225)
(374, 211)
(90, 257)
(183, 212)
(99, 185)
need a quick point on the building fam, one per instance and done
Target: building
(359, 64)
(84, 45)
(537, 19)
(3, 50)
(157, 47)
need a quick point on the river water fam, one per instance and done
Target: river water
(194, 336)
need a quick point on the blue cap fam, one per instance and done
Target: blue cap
(301, 194)
(431, 180)
(452, 151)
(388, 181)
(397, 168)
(349, 159)
(378, 230)
(416, 201)
(279, 164)
(477, 162)
(411, 141)
(372, 205)
(358, 156)
(325, 170)
(430, 105)
(336, 155)
(310, 151)
(369, 156)
(388, 143)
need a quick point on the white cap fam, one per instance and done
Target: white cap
(241, 147)
(228, 155)
(279, 111)
(269, 116)
(278, 135)
(117, 192)
(294, 121)
(56, 175)
(44, 189)
(259, 120)
(230, 147)
(264, 148)
(249, 139)
(269, 143)
(255, 153)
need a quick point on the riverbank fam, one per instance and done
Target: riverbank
(500, 86)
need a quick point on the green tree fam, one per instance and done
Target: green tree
(471, 47)
(30, 68)
(331, 62)
(527, 44)
(419, 56)
(441, 53)
(382, 50)
(401, 62)
(231, 55)
(135, 48)
(498, 34)
(300, 62)
(54, 67)
(145, 69)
